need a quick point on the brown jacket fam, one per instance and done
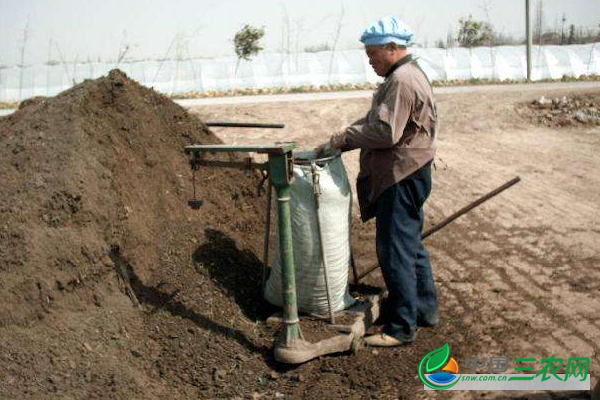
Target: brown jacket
(397, 137)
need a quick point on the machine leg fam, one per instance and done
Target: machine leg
(290, 311)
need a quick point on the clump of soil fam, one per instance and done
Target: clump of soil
(565, 111)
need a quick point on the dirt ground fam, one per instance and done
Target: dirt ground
(111, 287)
(518, 276)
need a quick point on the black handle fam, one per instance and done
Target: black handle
(244, 125)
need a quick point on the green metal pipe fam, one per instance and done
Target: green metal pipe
(290, 310)
(279, 165)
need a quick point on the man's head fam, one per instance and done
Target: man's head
(385, 43)
(382, 57)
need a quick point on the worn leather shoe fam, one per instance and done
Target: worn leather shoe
(383, 340)
(429, 322)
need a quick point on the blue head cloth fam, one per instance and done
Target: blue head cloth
(387, 30)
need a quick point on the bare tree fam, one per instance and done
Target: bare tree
(539, 27)
(593, 49)
(164, 58)
(285, 31)
(417, 27)
(64, 64)
(181, 42)
(299, 31)
(22, 62)
(285, 37)
(562, 29)
(48, 66)
(335, 41)
(539, 22)
(321, 46)
(188, 39)
(288, 34)
(486, 10)
(182, 51)
(90, 64)
(124, 48)
(75, 68)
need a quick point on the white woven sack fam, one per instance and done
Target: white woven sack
(335, 217)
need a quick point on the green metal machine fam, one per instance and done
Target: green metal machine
(280, 171)
(290, 345)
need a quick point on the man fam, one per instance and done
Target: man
(397, 142)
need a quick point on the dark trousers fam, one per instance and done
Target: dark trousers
(403, 260)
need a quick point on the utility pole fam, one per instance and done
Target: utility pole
(529, 38)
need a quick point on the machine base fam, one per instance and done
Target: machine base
(357, 320)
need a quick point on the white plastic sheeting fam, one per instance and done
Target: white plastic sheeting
(335, 218)
(290, 70)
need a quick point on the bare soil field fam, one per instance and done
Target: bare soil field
(518, 276)
(111, 287)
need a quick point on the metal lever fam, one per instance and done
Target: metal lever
(244, 125)
(454, 216)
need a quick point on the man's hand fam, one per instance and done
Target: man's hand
(322, 150)
(338, 140)
(333, 145)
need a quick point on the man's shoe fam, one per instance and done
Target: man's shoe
(383, 340)
(428, 323)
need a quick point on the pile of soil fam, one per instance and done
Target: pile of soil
(95, 233)
(111, 287)
(574, 110)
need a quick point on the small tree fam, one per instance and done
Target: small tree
(246, 43)
(474, 33)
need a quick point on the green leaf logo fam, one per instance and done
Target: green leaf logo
(432, 361)
(437, 358)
